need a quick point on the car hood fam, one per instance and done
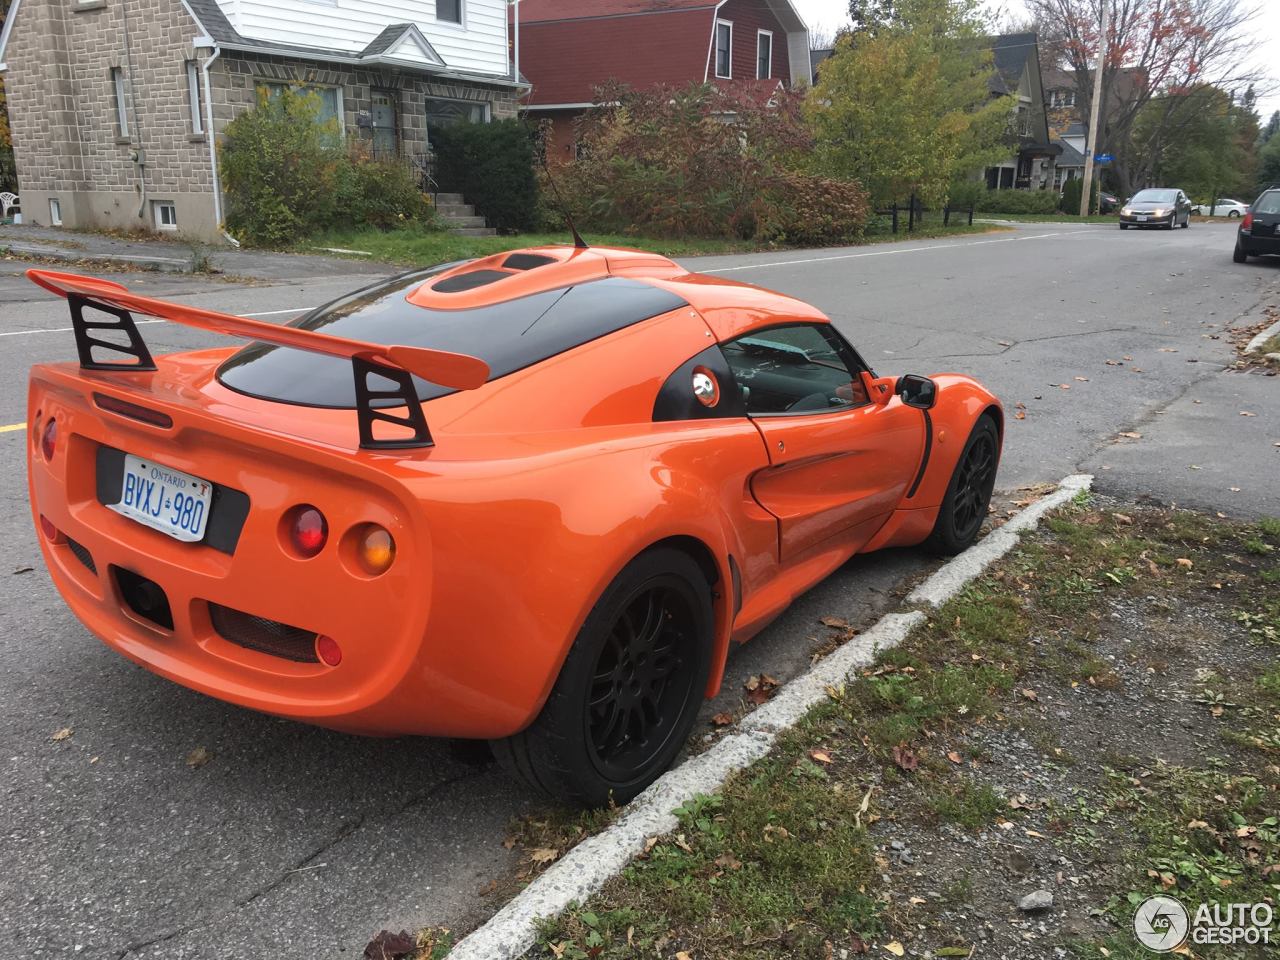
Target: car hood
(1149, 205)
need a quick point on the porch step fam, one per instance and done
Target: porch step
(475, 231)
(456, 223)
(446, 198)
(455, 210)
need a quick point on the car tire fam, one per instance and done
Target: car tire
(1187, 222)
(1233, 215)
(1169, 226)
(582, 748)
(1124, 226)
(1238, 255)
(964, 508)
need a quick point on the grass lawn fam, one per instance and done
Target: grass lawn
(1096, 721)
(1047, 218)
(416, 247)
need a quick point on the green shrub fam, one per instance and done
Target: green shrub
(1017, 201)
(965, 192)
(704, 162)
(380, 192)
(491, 164)
(286, 176)
(1071, 192)
(279, 169)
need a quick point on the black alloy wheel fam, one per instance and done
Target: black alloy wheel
(629, 690)
(964, 508)
(640, 684)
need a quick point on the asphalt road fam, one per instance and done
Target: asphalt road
(294, 842)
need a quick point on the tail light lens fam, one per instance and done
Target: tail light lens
(308, 530)
(49, 438)
(376, 549)
(1246, 225)
(328, 651)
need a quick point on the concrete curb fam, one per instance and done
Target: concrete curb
(952, 577)
(62, 255)
(1255, 345)
(584, 870)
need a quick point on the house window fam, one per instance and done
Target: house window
(764, 55)
(1062, 98)
(449, 11)
(193, 96)
(122, 109)
(55, 212)
(445, 113)
(166, 214)
(330, 102)
(724, 49)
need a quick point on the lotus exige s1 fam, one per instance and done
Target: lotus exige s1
(530, 499)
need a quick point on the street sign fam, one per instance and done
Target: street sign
(1103, 158)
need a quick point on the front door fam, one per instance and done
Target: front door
(385, 135)
(838, 463)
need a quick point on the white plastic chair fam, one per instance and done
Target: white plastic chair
(7, 202)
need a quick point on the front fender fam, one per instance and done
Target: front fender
(961, 401)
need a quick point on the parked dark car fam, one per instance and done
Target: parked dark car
(1156, 207)
(1108, 202)
(1259, 232)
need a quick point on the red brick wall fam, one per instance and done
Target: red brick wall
(749, 16)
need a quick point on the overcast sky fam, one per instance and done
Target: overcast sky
(829, 14)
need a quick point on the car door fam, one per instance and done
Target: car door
(839, 464)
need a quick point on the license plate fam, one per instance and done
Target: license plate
(164, 499)
(1142, 219)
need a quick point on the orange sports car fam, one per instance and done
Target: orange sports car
(530, 499)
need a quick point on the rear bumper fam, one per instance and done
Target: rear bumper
(1258, 246)
(379, 623)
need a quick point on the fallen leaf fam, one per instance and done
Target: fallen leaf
(509, 842)
(1246, 413)
(683, 955)
(1083, 379)
(682, 843)
(391, 946)
(1130, 435)
(820, 755)
(29, 569)
(727, 861)
(1185, 563)
(904, 758)
(722, 719)
(1030, 694)
(488, 889)
(543, 855)
(198, 757)
(1022, 415)
(954, 757)
(62, 734)
(897, 949)
(1234, 489)
(916, 901)
(836, 622)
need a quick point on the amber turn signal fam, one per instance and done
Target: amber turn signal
(375, 549)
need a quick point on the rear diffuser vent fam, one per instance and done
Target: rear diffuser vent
(82, 554)
(263, 635)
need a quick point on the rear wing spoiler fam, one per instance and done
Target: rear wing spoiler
(396, 364)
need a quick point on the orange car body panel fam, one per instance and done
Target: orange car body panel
(541, 486)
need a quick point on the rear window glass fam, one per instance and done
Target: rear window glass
(508, 336)
(1269, 202)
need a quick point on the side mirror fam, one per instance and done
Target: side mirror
(879, 391)
(917, 391)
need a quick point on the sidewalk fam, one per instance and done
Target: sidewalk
(174, 256)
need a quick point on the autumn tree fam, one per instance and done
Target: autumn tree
(1155, 50)
(1207, 143)
(903, 104)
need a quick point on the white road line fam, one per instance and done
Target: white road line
(584, 870)
(880, 253)
(265, 313)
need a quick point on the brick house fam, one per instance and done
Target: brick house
(116, 105)
(569, 47)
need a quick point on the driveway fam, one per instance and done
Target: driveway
(293, 842)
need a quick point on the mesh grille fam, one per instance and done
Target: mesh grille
(263, 635)
(83, 555)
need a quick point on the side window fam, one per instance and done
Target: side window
(800, 368)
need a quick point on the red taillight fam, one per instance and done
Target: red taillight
(49, 438)
(328, 651)
(1246, 225)
(47, 528)
(308, 530)
(132, 410)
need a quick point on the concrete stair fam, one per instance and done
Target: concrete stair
(461, 216)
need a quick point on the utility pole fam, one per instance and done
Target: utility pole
(1086, 196)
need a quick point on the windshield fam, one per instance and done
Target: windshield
(1155, 196)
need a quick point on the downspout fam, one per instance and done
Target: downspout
(211, 138)
(516, 76)
(139, 155)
